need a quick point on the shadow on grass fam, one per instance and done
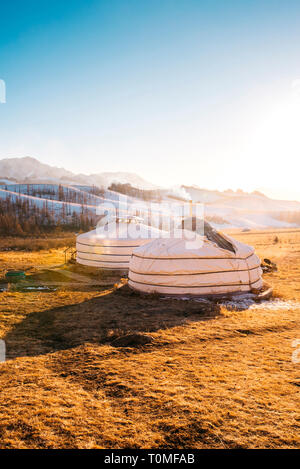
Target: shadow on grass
(100, 320)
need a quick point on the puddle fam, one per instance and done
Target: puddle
(41, 288)
(271, 305)
(247, 301)
(24, 288)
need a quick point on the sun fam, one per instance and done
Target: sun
(274, 145)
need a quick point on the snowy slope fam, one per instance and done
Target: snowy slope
(225, 215)
(53, 205)
(243, 210)
(230, 209)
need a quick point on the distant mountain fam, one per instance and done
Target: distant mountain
(30, 170)
(245, 210)
(107, 178)
(253, 201)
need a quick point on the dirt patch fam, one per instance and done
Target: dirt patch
(132, 340)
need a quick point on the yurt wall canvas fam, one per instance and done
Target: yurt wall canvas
(166, 266)
(111, 248)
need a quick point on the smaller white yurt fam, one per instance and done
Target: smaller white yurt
(110, 246)
(215, 265)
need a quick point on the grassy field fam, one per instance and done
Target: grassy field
(213, 377)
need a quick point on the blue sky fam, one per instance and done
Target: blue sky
(194, 92)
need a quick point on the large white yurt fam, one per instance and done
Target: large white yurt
(110, 246)
(215, 265)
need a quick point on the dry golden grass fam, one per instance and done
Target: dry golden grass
(212, 378)
(54, 241)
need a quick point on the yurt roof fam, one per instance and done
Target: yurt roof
(177, 248)
(183, 244)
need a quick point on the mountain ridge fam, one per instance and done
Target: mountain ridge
(30, 170)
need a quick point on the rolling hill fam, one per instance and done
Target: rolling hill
(28, 178)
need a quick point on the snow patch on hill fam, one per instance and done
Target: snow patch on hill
(228, 209)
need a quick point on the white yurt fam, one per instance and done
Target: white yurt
(110, 246)
(214, 265)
